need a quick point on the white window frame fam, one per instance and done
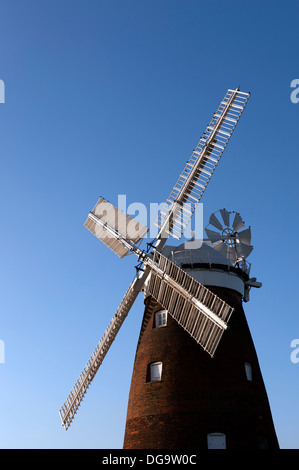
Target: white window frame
(248, 371)
(160, 319)
(216, 440)
(158, 371)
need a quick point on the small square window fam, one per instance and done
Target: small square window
(216, 440)
(160, 318)
(262, 443)
(155, 371)
(248, 371)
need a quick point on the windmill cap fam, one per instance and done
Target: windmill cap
(206, 265)
(193, 252)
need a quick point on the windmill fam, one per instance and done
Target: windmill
(198, 310)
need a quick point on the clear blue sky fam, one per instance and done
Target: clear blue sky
(107, 98)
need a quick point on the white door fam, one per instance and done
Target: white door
(216, 440)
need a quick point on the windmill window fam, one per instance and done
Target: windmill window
(155, 371)
(262, 443)
(216, 440)
(160, 318)
(248, 371)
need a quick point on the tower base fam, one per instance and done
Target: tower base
(199, 402)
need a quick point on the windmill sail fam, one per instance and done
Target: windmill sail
(238, 222)
(200, 312)
(215, 222)
(229, 241)
(113, 227)
(73, 401)
(181, 204)
(225, 216)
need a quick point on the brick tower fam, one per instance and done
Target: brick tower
(180, 397)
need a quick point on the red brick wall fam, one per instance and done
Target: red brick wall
(197, 394)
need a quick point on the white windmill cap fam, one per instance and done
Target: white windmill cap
(206, 265)
(194, 252)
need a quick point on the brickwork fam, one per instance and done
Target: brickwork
(197, 394)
